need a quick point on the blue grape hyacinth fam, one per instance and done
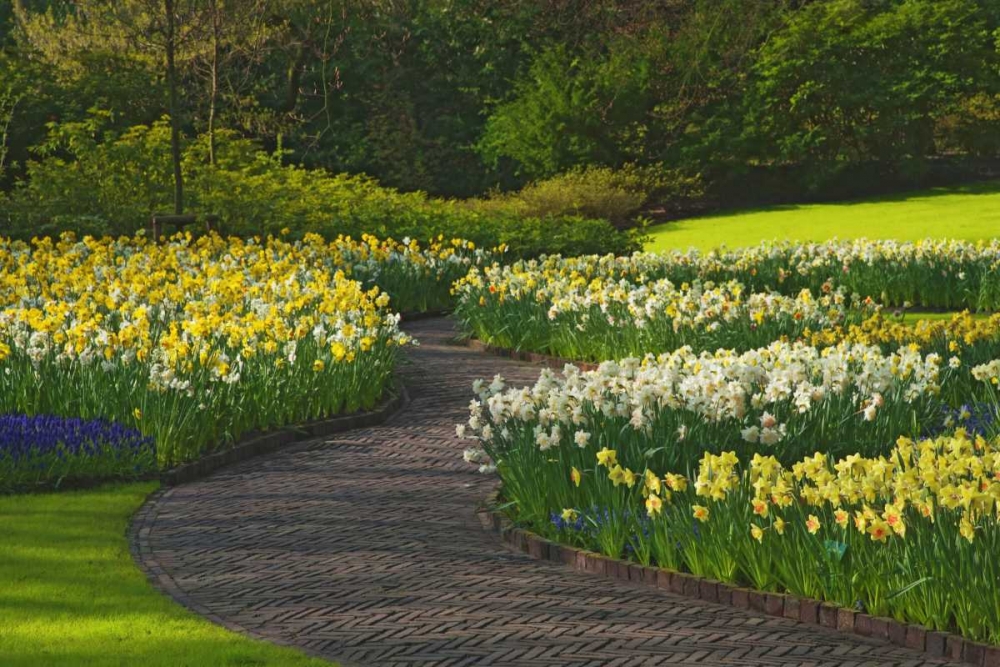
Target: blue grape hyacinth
(44, 450)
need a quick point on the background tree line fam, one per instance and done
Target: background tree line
(765, 99)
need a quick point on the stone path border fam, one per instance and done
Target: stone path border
(365, 548)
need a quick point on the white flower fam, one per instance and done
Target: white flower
(581, 438)
(460, 431)
(770, 436)
(869, 412)
(954, 362)
(497, 385)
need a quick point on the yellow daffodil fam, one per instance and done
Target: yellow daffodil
(607, 457)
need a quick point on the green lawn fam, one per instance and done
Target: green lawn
(71, 595)
(969, 212)
(912, 317)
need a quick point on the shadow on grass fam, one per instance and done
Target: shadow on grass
(71, 595)
(981, 188)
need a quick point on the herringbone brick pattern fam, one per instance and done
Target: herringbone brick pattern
(366, 549)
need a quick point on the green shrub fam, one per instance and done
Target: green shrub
(94, 181)
(615, 195)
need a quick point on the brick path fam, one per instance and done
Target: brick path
(366, 549)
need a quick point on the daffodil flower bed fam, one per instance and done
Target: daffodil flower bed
(597, 307)
(419, 278)
(972, 340)
(552, 307)
(787, 399)
(192, 342)
(912, 534)
(932, 272)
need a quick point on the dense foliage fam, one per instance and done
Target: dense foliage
(763, 99)
(91, 179)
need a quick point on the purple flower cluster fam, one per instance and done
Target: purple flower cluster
(44, 450)
(976, 418)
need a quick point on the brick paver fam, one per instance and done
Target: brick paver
(366, 549)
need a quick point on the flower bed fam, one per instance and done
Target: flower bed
(195, 342)
(42, 451)
(558, 311)
(418, 278)
(912, 534)
(597, 307)
(756, 446)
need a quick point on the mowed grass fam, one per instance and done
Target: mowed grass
(71, 595)
(969, 213)
(912, 317)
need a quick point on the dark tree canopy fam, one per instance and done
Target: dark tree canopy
(457, 97)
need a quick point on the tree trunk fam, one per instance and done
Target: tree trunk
(214, 85)
(175, 132)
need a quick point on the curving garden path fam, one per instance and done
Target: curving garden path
(365, 548)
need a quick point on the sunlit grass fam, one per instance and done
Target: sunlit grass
(71, 595)
(968, 213)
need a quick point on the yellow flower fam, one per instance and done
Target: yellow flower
(569, 515)
(700, 512)
(318, 365)
(779, 526)
(894, 518)
(137, 413)
(759, 507)
(617, 475)
(629, 478)
(652, 482)
(879, 530)
(841, 517)
(860, 521)
(966, 529)
(575, 476)
(757, 532)
(812, 524)
(607, 457)
(676, 482)
(653, 505)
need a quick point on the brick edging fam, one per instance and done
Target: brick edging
(555, 363)
(815, 612)
(257, 444)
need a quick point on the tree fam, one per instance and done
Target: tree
(8, 105)
(172, 37)
(847, 81)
